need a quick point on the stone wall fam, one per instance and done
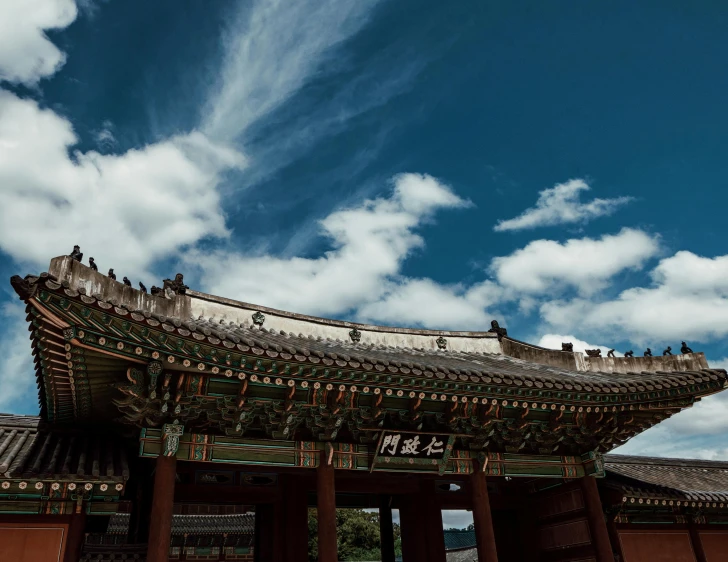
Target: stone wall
(542, 356)
(668, 363)
(576, 361)
(77, 275)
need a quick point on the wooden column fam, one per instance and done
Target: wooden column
(264, 529)
(386, 529)
(528, 528)
(326, 504)
(482, 517)
(595, 516)
(697, 544)
(76, 536)
(614, 537)
(411, 520)
(434, 533)
(160, 526)
(296, 519)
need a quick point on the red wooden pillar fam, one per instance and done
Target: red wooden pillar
(697, 544)
(614, 538)
(595, 516)
(296, 519)
(414, 545)
(434, 536)
(264, 533)
(76, 536)
(482, 517)
(160, 526)
(326, 504)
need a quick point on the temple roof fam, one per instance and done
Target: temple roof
(30, 450)
(94, 338)
(480, 359)
(670, 479)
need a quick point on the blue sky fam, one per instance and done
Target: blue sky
(557, 166)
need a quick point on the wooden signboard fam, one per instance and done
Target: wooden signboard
(413, 448)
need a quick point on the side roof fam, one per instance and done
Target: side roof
(670, 479)
(29, 449)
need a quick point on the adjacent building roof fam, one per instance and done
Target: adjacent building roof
(459, 539)
(30, 450)
(670, 479)
(229, 524)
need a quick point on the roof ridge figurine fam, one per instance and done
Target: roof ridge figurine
(175, 286)
(648, 352)
(567, 346)
(593, 352)
(111, 274)
(496, 329)
(126, 281)
(142, 288)
(685, 349)
(667, 351)
(629, 353)
(76, 254)
(92, 264)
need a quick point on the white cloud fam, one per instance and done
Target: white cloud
(16, 362)
(422, 302)
(281, 46)
(126, 210)
(687, 300)
(370, 242)
(26, 54)
(585, 263)
(456, 518)
(554, 341)
(561, 205)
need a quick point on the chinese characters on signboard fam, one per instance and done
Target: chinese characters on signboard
(401, 447)
(413, 445)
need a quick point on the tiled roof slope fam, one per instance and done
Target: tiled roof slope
(28, 449)
(459, 539)
(474, 367)
(680, 479)
(229, 524)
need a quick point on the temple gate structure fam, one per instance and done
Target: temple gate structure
(168, 419)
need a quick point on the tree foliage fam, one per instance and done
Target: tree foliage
(357, 535)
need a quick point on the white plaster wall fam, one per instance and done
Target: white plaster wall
(396, 337)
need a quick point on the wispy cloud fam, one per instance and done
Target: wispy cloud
(104, 137)
(561, 205)
(271, 49)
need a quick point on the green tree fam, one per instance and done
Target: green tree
(357, 535)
